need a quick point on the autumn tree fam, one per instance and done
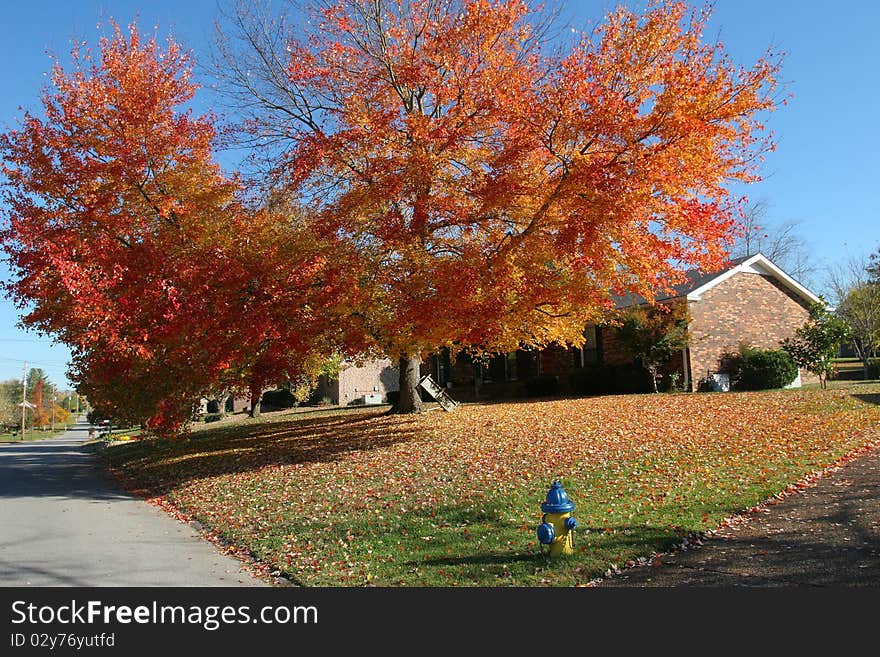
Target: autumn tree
(40, 416)
(654, 335)
(815, 344)
(129, 244)
(117, 218)
(61, 414)
(497, 193)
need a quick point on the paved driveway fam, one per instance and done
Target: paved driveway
(64, 522)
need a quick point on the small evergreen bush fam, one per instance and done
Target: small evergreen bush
(277, 399)
(630, 379)
(610, 380)
(763, 369)
(545, 385)
(592, 380)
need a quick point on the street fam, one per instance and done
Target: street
(65, 522)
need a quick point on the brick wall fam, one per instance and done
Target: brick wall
(615, 354)
(380, 376)
(613, 350)
(558, 361)
(746, 308)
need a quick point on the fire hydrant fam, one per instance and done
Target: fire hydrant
(557, 525)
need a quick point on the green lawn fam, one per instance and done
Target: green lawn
(31, 434)
(453, 499)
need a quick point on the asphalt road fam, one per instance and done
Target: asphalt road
(64, 522)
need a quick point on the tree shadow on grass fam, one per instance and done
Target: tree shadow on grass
(493, 559)
(162, 465)
(619, 539)
(873, 398)
(593, 552)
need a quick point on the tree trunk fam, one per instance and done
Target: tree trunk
(866, 366)
(221, 400)
(256, 397)
(410, 400)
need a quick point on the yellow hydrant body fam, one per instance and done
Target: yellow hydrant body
(557, 524)
(563, 542)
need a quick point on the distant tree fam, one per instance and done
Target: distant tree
(62, 416)
(873, 267)
(781, 242)
(10, 398)
(815, 344)
(654, 335)
(38, 375)
(855, 286)
(40, 416)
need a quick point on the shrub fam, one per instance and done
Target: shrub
(629, 379)
(213, 417)
(611, 380)
(393, 396)
(213, 406)
(706, 384)
(277, 399)
(545, 385)
(759, 369)
(592, 380)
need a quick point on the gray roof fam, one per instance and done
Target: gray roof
(694, 279)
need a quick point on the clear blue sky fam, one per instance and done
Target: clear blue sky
(825, 172)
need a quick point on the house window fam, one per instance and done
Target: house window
(588, 354)
(442, 365)
(503, 367)
(511, 366)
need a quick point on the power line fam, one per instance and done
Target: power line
(38, 362)
(28, 340)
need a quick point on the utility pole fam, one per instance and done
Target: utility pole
(23, 398)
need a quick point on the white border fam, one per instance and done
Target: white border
(756, 264)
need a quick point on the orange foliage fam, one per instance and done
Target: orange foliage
(499, 194)
(40, 415)
(131, 246)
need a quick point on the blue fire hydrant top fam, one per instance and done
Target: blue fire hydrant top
(557, 500)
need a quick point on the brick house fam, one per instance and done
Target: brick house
(750, 301)
(365, 383)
